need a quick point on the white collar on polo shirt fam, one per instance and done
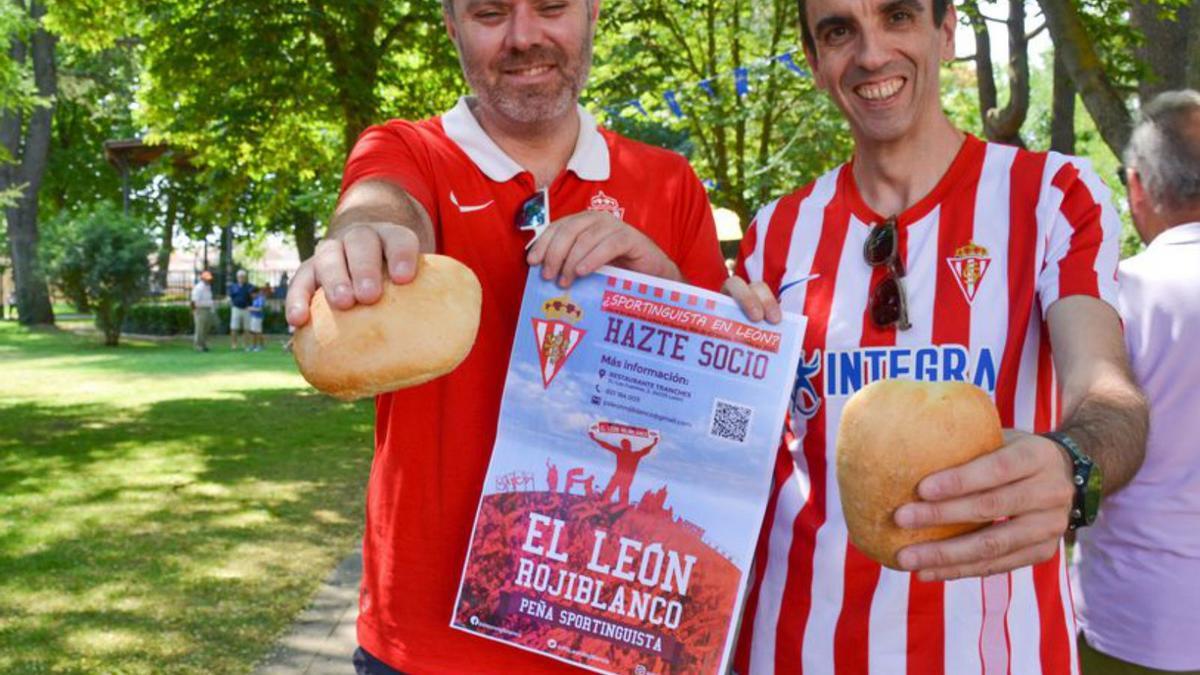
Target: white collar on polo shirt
(1187, 233)
(589, 161)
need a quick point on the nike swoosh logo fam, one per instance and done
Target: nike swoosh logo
(468, 209)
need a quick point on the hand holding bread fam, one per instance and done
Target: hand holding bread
(894, 433)
(412, 334)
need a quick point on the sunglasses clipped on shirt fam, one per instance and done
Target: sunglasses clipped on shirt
(888, 303)
(533, 215)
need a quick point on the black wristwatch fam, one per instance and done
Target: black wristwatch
(1088, 480)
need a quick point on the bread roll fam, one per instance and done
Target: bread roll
(894, 433)
(414, 333)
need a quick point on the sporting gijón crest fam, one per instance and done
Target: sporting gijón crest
(969, 263)
(556, 335)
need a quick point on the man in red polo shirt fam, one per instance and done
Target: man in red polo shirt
(454, 185)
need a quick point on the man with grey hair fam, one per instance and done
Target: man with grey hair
(1136, 568)
(474, 184)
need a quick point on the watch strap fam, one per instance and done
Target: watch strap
(1081, 469)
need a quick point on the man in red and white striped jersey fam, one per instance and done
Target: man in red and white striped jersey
(935, 256)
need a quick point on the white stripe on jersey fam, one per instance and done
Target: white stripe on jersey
(964, 618)
(887, 648)
(991, 300)
(803, 246)
(754, 264)
(920, 281)
(1064, 589)
(792, 495)
(1024, 628)
(990, 311)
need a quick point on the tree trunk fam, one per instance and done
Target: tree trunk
(983, 62)
(1062, 120)
(1004, 125)
(355, 61)
(1166, 41)
(29, 148)
(305, 232)
(224, 275)
(1193, 52)
(168, 234)
(109, 315)
(1100, 97)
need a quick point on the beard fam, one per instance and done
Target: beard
(531, 103)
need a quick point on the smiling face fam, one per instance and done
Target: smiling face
(880, 61)
(526, 60)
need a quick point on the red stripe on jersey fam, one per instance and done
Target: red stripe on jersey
(1077, 269)
(779, 237)
(1055, 651)
(746, 249)
(1043, 413)
(1025, 179)
(1007, 633)
(851, 638)
(797, 592)
(785, 469)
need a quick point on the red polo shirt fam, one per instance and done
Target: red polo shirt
(433, 442)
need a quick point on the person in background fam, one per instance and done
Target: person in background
(281, 288)
(241, 294)
(203, 318)
(1137, 570)
(257, 311)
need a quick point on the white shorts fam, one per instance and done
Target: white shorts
(256, 324)
(239, 318)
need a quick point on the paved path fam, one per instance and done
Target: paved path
(322, 640)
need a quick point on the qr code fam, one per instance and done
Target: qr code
(730, 421)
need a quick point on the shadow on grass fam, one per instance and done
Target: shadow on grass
(179, 537)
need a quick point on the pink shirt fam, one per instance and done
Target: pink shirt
(1137, 569)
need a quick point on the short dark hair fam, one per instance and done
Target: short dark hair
(939, 13)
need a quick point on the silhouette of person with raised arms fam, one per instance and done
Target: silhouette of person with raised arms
(627, 461)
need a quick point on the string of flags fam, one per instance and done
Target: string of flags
(741, 82)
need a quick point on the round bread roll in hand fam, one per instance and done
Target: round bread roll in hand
(414, 333)
(894, 433)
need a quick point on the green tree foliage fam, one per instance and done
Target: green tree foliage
(274, 93)
(755, 147)
(101, 258)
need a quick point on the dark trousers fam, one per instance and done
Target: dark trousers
(365, 664)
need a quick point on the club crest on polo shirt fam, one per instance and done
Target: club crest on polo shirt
(556, 335)
(970, 263)
(602, 202)
(841, 373)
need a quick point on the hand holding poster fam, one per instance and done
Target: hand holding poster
(637, 435)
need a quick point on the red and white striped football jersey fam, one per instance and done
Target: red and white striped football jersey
(1003, 235)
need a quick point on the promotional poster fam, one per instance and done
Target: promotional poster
(638, 431)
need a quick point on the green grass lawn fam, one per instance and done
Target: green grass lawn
(163, 510)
